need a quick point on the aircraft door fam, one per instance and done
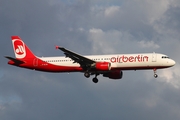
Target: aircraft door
(35, 62)
(154, 57)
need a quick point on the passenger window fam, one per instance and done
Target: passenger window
(165, 57)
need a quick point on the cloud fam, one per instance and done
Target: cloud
(104, 42)
(148, 44)
(111, 11)
(171, 76)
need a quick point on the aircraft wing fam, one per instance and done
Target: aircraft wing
(83, 61)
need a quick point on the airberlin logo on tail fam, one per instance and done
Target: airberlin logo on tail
(19, 49)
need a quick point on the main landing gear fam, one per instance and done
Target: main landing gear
(155, 73)
(87, 75)
(95, 80)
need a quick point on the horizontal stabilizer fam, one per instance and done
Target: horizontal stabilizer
(14, 60)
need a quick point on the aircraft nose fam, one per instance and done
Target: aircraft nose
(172, 62)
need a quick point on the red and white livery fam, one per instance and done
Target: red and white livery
(111, 66)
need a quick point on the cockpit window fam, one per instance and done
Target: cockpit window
(165, 57)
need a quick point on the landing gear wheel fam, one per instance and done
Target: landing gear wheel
(95, 80)
(155, 75)
(87, 74)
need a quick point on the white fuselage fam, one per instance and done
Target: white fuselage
(119, 61)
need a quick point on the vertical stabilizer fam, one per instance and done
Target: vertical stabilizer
(20, 49)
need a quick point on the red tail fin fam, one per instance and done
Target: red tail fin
(20, 49)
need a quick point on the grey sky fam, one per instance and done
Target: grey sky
(90, 27)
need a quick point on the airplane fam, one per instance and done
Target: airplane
(111, 66)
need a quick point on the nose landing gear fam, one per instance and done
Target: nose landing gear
(155, 73)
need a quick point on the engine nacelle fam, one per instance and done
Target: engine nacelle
(117, 74)
(103, 66)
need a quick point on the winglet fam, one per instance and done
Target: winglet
(57, 47)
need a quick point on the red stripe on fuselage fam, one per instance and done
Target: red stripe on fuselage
(45, 66)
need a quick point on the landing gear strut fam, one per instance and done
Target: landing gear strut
(155, 74)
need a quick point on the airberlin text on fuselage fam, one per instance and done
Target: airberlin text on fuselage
(123, 58)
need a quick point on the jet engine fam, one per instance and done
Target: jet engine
(103, 66)
(116, 74)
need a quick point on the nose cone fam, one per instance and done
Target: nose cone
(172, 62)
